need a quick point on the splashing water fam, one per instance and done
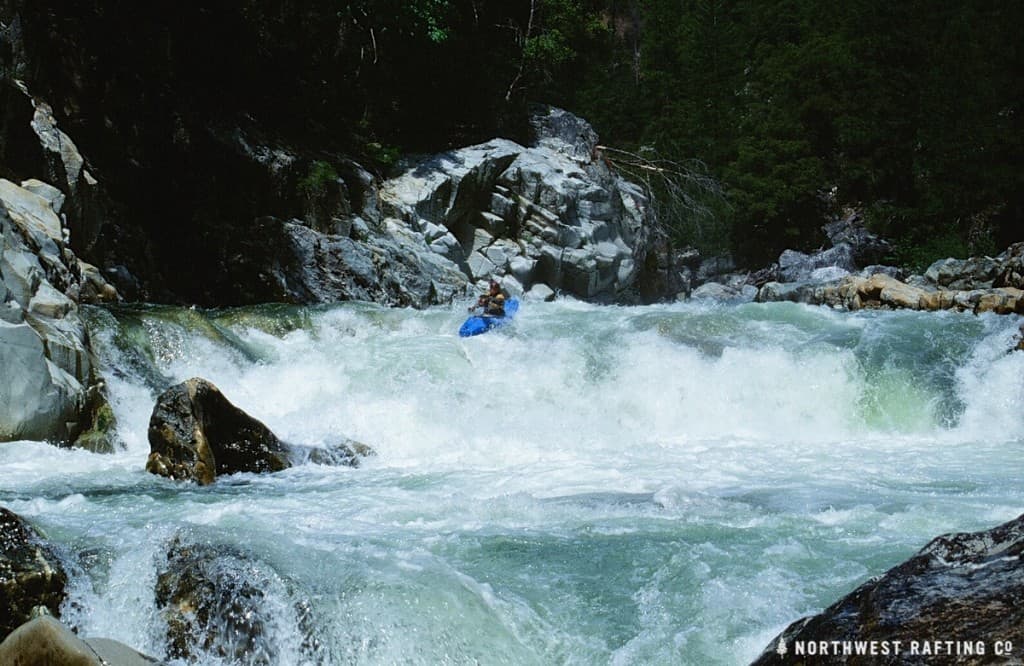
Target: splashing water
(665, 484)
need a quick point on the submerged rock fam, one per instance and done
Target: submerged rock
(195, 433)
(221, 602)
(348, 453)
(44, 640)
(101, 436)
(964, 588)
(31, 575)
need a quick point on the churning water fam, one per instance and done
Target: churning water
(596, 485)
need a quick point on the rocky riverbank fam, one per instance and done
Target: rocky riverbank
(847, 276)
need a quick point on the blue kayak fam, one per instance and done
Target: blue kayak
(478, 324)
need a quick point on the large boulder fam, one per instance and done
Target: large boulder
(45, 641)
(220, 602)
(44, 345)
(552, 213)
(195, 433)
(962, 588)
(31, 575)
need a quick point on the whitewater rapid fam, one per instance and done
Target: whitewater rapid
(662, 484)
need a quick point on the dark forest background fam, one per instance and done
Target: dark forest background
(767, 115)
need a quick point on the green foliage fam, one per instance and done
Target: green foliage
(918, 255)
(318, 179)
(913, 110)
(385, 156)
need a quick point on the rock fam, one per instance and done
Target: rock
(1011, 267)
(540, 292)
(220, 602)
(37, 398)
(196, 434)
(1000, 301)
(892, 292)
(94, 288)
(796, 266)
(937, 300)
(964, 274)
(50, 303)
(345, 454)
(30, 574)
(765, 275)
(720, 292)
(828, 274)
(451, 188)
(960, 587)
(865, 247)
(796, 292)
(479, 266)
(32, 213)
(115, 653)
(101, 436)
(48, 192)
(582, 229)
(562, 131)
(891, 271)
(289, 262)
(44, 347)
(44, 640)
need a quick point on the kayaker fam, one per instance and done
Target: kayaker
(493, 302)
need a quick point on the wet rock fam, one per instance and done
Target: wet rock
(347, 453)
(31, 575)
(541, 292)
(101, 436)
(222, 603)
(196, 434)
(44, 346)
(725, 293)
(960, 587)
(796, 292)
(44, 640)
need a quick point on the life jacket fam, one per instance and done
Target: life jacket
(494, 305)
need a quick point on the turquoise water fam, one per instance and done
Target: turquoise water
(596, 485)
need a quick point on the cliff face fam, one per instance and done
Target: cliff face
(196, 121)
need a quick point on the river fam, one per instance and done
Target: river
(668, 484)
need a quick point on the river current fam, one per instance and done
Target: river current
(670, 484)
